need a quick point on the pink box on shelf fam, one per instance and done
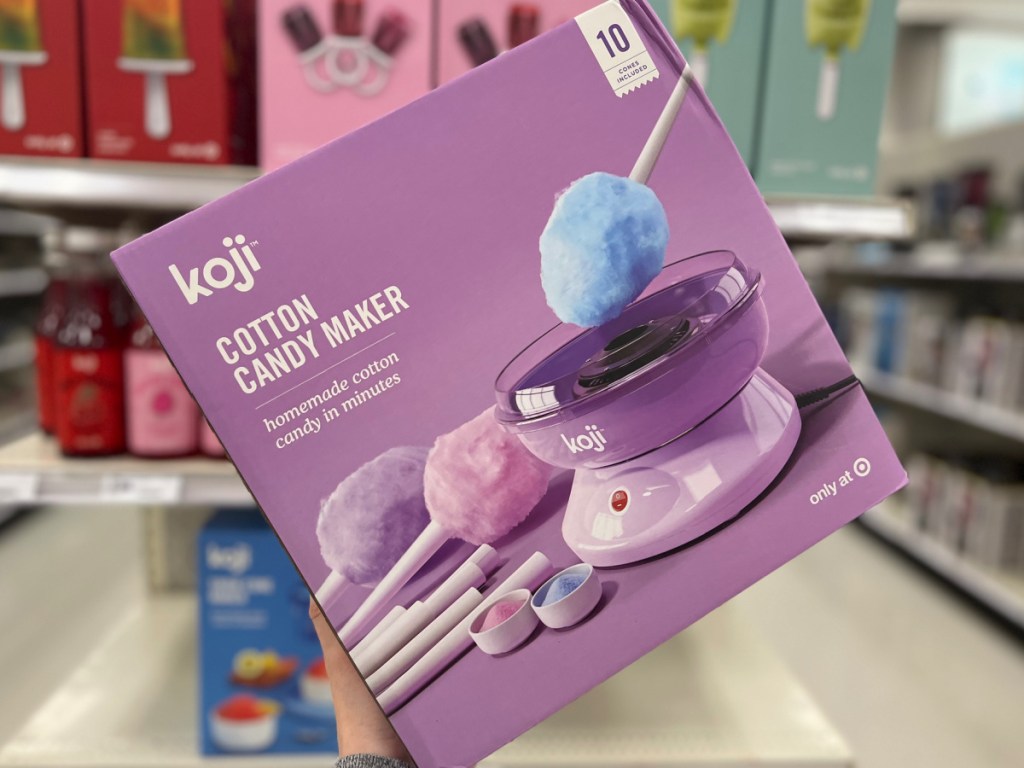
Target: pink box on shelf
(327, 67)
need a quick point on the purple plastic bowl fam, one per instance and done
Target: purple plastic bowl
(597, 397)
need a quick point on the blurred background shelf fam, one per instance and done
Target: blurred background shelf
(999, 591)
(826, 218)
(133, 702)
(983, 270)
(93, 184)
(23, 281)
(949, 12)
(947, 405)
(15, 354)
(33, 471)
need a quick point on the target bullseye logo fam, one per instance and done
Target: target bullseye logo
(862, 467)
(618, 502)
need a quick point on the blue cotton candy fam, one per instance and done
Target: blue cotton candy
(604, 243)
(563, 586)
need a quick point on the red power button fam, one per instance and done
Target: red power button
(619, 500)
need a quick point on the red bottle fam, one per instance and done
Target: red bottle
(163, 419)
(54, 308)
(88, 366)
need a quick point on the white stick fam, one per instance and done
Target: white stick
(426, 545)
(389, 618)
(466, 576)
(13, 107)
(334, 586)
(158, 106)
(486, 557)
(701, 68)
(430, 636)
(405, 628)
(529, 575)
(656, 142)
(828, 87)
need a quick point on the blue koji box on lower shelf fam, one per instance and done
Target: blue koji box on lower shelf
(262, 682)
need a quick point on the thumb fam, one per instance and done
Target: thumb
(329, 642)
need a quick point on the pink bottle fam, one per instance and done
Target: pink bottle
(163, 419)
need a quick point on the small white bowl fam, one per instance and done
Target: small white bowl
(512, 632)
(315, 690)
(574, 607)
(243, 735)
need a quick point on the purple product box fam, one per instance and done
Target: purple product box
(373, 332)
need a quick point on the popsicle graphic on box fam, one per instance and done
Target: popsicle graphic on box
(477, 40)
(346, 59)
(20, 46)
(153, 44)
(834, 25)
(705, 21)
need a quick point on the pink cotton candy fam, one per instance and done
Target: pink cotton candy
(499, 613)
(480, 482)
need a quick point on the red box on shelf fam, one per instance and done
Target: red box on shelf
(170, 80)
(40, 59)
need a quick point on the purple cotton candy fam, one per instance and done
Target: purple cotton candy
(563, 586)
(499, 613)
(480, 481)
(374, 515)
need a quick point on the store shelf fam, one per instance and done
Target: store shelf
(26, 281)
(132, 186)
(33, 471)
(153, 186)
(982, 270)
(925, 397)
(1000, 592)
(715, 695)
(844, 219)
(16, 354)
(957, 12)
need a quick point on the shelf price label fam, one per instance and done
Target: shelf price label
(141, 489)
(19, 488)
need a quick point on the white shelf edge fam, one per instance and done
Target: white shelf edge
(843, 218)
(158, 186)
(995, 594)
(94, 184)
(22, 281)
(981, 415)
(989, 270)
(32, 471)
(955, 12)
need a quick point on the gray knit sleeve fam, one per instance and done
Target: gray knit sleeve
(370, 761)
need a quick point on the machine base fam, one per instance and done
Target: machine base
(679, 492)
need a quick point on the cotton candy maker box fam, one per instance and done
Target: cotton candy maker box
(664, 413)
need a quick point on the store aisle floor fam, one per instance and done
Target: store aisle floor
(909, 673)
(70, 571)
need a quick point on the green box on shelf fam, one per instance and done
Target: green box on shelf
(827, 72)
(724, 41)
